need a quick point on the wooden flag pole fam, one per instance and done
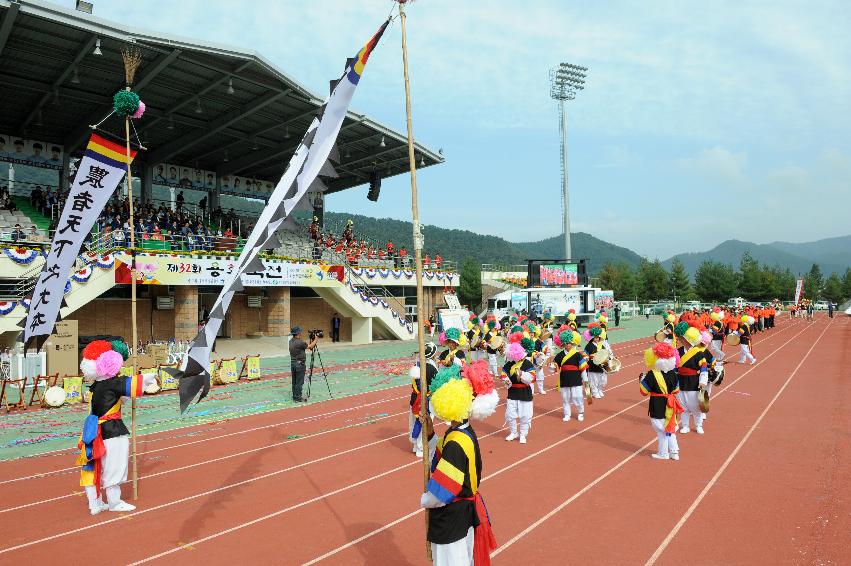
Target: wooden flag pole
(135, 344)
(418, 261)
(132, 58)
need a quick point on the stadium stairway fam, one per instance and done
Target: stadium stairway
(41, 221)
(100, 281)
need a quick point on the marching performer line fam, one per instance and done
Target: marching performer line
(626, 460)
(235, 433)
(534, 454)
(250, 480)
(498, 472)
(250, 451)
(673, 533)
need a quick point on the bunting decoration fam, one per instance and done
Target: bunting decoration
(311, 159)
(100, 171)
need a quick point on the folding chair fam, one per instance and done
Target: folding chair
(49, 381)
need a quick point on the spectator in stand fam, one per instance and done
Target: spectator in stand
(403, 257)
(314, 228)
(437, 261)
(382, 254)
(348, 232)
(426, 262)
(202, 205)
(18, 234)
(180, 200)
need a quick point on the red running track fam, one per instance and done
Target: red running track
(336, 481)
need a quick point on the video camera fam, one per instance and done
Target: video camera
(315, 333)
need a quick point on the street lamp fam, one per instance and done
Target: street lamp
(565, 81)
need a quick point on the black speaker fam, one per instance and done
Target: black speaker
(374, 186)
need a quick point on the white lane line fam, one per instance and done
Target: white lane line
(733, 454)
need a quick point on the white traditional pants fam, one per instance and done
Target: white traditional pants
(598, 383)
(667, 442)
(691, 407)
(539, 379)
(572, 396)
(715, 350)
(458, 553)
(518, 410)
(493, 364)
(746, 354)
(418, 441)
(114, 471)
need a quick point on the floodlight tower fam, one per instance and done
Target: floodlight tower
(565, 81)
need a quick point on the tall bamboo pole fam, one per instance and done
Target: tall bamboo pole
(134, 346)
(418, 261)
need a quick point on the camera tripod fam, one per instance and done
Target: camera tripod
(315, 353)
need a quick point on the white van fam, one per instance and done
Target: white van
(737, 302)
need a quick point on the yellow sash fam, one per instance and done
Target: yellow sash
(466, 444)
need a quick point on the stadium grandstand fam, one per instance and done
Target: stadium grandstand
(221, 125)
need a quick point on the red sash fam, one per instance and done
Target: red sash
(484, 541)
(676, 409)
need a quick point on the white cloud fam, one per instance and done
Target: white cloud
(719, 164)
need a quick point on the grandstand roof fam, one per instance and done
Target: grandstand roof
(45, 48)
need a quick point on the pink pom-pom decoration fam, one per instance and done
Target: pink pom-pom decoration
(705, 338)
(109, 364)
(441, 339)
(139, 111)
(557, 340)
(515, 352)
(587, 335)
(479, 377)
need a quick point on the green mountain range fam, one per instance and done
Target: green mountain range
(832, 254)
(461, 244)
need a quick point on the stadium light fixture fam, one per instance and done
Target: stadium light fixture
(170, 125)
(287, 133)
(565, 81)
(97, 50)
(382, 144)
(227, 157)
(198, 109)
(75, 78)
(348, 153)
(422, 161)
(230, 86)
(254, 146)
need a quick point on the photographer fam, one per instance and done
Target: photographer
(298, 360)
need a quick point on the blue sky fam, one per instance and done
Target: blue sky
(700, 121)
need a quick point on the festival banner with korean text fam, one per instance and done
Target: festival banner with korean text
(100, 171)
(169, 270)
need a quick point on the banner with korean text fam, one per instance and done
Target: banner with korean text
(102, 168)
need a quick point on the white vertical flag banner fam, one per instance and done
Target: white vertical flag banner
(310, 160)
(799, 291)
(102, 168)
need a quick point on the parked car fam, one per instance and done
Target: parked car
(820, 306)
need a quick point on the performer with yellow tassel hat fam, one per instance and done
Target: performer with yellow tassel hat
(571, 320)
(459, 527)
(693, 372)
(572, 364)
(668, 328)
(744, 333)
(661, 384)
(105, 442)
